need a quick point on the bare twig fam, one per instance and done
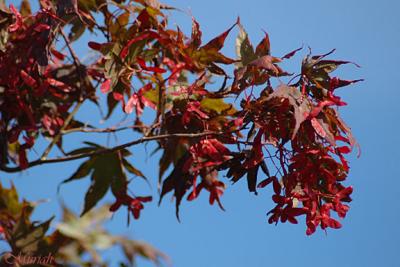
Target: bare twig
(105, 130)
(112, 129)
(71, 50)
(108, 150)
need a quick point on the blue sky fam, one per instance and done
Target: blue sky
(367, 32)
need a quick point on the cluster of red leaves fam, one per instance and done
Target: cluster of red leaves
(205, 156)
(206, 153)
(215, 187)
(313, 167)
(314, 180)
(34, 95)
(303, 114)
(294, 129)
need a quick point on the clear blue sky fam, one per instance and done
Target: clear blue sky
(367, 32)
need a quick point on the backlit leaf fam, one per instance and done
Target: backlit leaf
(216, 104)
(244, 49)
(264, 47)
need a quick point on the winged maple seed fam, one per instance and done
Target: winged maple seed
(134, 204)
(292, 132)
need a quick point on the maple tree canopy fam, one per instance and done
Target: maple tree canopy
(215, 120)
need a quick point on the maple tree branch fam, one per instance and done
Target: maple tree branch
(76, 60)
(108, 150)
(71, 50)
(281, 159)
(111, 129)
(105, 130)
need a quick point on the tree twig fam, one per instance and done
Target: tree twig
(104, 130)
(108, 150)
(71, 50)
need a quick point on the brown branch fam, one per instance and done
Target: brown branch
(71, 50)
(107, 150)
(88, 130)
(104, 130)
(281, 159)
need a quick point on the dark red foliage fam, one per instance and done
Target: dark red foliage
(33, 99)
(292, 133)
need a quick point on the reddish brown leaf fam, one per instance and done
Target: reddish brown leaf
(57, 54)
(218, 42)
(95, 46)
(195, 40)
(291, 54)
(264, 47)
(266, 182)
(336, 82)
